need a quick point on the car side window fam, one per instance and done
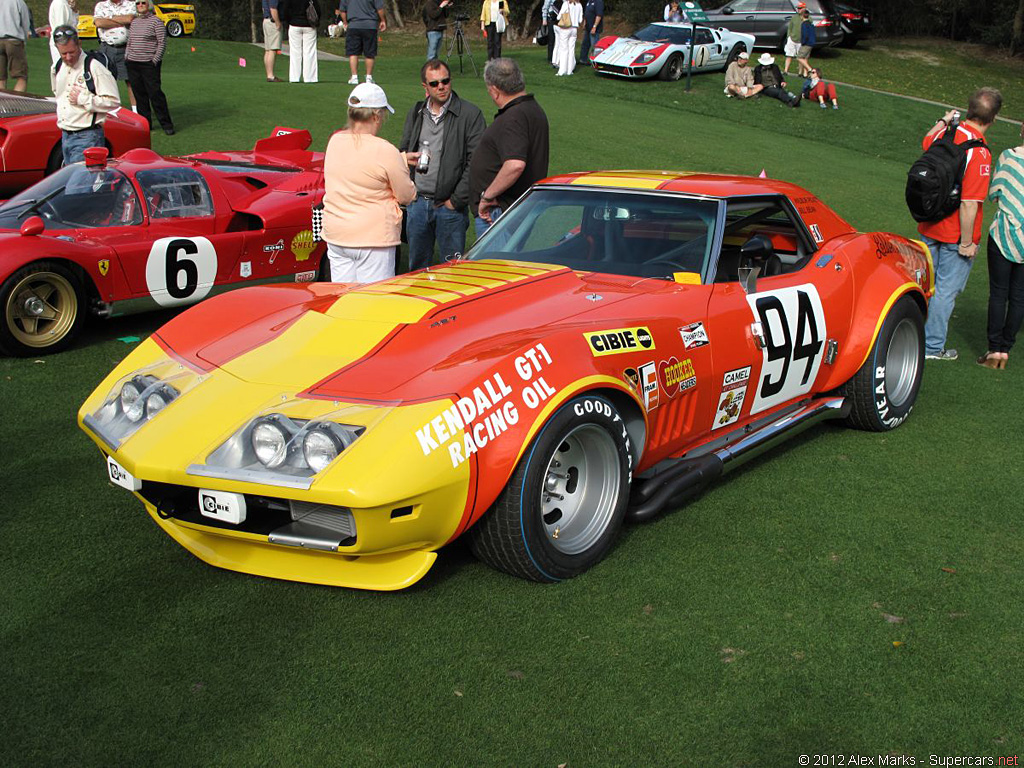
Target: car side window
(745, 6)
(175, 193)
(768, 218)
(704, 37)
(777, 6)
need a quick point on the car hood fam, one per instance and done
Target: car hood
(416, 337)
(624, 51)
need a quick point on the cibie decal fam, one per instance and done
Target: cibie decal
(817, 234)
(303, 245)
(180, 270)
(794, 341)
(632, 377)
(729, 406)
(619, 340)
(649, 385)
(677, 376)
(694, 335)
(104, 266)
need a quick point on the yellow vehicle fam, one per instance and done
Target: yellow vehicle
(179, 18)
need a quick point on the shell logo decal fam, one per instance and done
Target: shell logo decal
(303, 245)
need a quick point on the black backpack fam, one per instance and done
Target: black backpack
(933, 181)
(90, 56)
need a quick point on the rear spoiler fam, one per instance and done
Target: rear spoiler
(284, 139)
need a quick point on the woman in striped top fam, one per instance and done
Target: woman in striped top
(143, 57)
(1005, 257)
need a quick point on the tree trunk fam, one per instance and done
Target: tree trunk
(1018, 29)
(397, 14)
(253, 10)
(533, 8)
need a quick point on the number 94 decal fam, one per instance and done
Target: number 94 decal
(794, 340)
(180, 270)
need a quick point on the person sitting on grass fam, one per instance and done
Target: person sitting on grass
(818, 90)
(739, 81)
(768, 75)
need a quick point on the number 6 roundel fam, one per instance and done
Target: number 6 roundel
(794, 332)
(180, 270)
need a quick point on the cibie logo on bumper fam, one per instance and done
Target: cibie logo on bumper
(619, 340)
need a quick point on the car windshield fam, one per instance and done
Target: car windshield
(656, 33)
(74, 197)
(605, 230)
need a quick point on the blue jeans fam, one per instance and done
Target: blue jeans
(588, 40)
(72, 145)
(426, 222)
(951, 273)
(434, 43)
(482, 225)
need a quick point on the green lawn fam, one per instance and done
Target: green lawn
(855, 593)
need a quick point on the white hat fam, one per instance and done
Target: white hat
(765, 59)
(370, 96)
(743, 55)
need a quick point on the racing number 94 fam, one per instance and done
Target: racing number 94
(793, 323)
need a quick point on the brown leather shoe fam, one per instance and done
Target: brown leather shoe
(991, 360)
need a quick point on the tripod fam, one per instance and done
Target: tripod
(460, 45)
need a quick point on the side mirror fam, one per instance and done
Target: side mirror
(32, 226)
(727, 10)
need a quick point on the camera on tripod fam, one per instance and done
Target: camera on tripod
(461, 17)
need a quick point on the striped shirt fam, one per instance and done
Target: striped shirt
(147, 39)
(1007, 191)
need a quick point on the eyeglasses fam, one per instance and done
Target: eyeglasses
(62, 35)
(442, 81)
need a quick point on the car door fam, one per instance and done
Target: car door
(739, 16)
(773, 21)
(707, 51)
(183, 254)
(773, 335)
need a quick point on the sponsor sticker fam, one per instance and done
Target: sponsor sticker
(104, 266)
(120, 476)
(246, 269)
(694, 335)
(619, 340)
(736, 379)
(729, 406)
(677, 376)
(632, 377)
(274, 249)
(305, 277)
(303, 245)
(222, 505)
(649, 385)
(817, 234)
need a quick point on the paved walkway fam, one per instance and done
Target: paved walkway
(321, 55)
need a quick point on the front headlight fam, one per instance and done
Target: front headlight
(137, 398)
(645, 58)
(269, 442)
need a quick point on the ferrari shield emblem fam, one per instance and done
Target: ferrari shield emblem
(104, 266)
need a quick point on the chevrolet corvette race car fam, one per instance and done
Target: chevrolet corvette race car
(616, 341)
(30, 139)
(179, 18)
(662, 49)
(143, 231)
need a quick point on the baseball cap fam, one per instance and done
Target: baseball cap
(370, 96)
(801, 5)
(743, 55)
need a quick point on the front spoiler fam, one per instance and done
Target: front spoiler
(249, 553)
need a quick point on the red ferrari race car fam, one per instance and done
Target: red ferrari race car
(113, 237)
(615, 342)
(30, 138)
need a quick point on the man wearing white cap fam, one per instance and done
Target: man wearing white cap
(366, 180)
(739, 80)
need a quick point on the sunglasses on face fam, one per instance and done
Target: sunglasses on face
(442, 81)
(63, 37)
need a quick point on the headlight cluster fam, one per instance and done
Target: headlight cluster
(645, 58)
(137, 398)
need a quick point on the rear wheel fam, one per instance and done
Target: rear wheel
(673, 68)
(565, 502)
(43, 307)
(734, 54)
(175, 28)
(56, 160)
(882, 393)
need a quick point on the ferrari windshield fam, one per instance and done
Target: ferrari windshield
(74, 197)
(605, 230)
(656, 33)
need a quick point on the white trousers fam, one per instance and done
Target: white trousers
(564, 55)
(361, 265)
(302, 62)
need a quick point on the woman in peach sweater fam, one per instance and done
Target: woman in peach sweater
(366, 180)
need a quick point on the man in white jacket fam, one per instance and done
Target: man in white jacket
(63, 13)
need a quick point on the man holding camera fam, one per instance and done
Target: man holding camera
(435, 18)
(447, 130)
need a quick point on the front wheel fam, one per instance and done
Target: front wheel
(175, 28)
(43, 309)
(882, 393)
(673, 68)
(566, 500)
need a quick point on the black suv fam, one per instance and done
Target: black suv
(767, 20)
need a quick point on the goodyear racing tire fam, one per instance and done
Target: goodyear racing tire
(175, 28)
(42, 309)
(734, 54)
(673, 68)
(566, 500)
(883, 391)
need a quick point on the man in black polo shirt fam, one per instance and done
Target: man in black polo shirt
(513, 151)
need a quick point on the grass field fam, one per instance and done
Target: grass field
(854, 593)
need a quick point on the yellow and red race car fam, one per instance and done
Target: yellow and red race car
(615, 342)
(179, 18)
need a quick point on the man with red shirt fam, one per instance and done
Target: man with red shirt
(953, 241)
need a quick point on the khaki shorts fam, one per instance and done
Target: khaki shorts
(804, 52)
(271, 36)
(13, 62)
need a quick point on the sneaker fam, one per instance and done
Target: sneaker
(823, 105)
(835, 106)
(369, 79)
(354, 80)
(946, 354)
